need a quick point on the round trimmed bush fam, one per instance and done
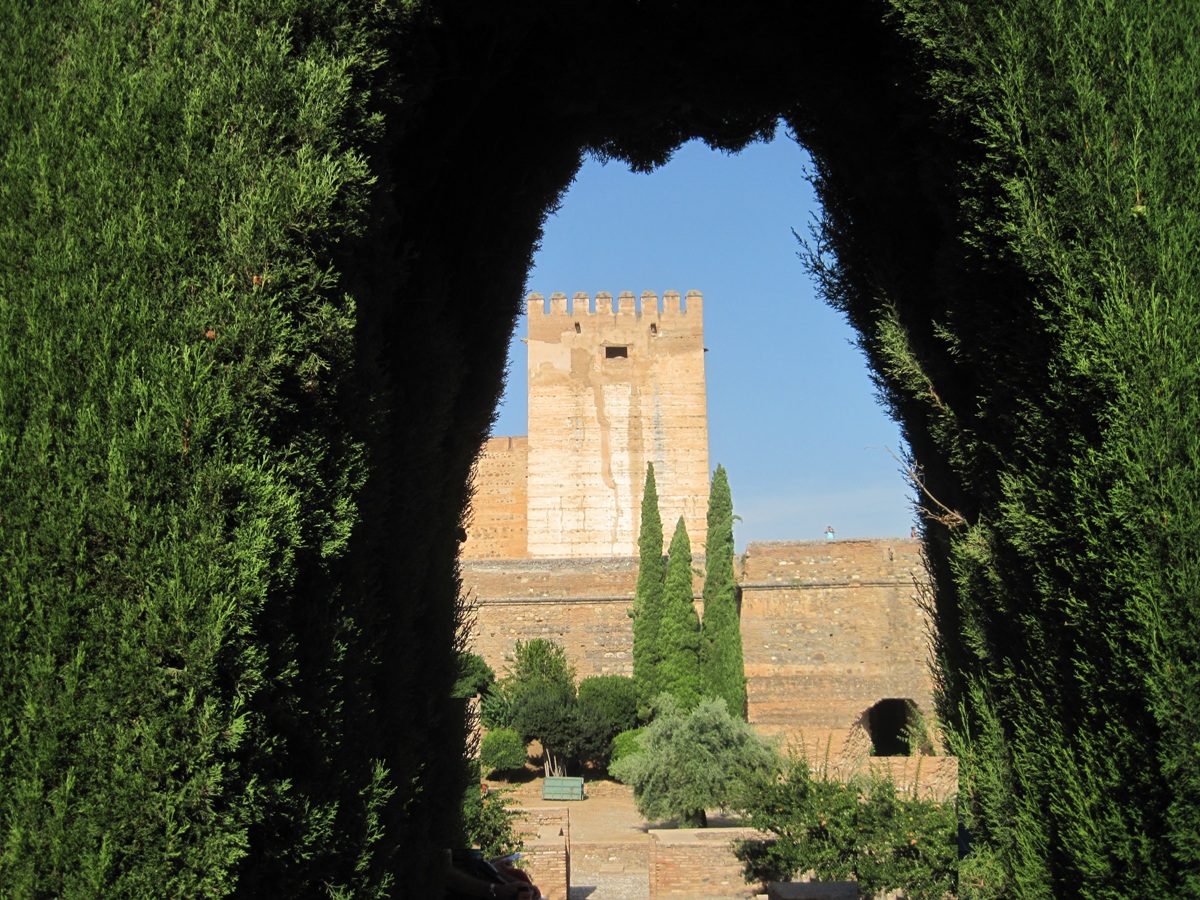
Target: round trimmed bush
(607, 706)
(502, 750)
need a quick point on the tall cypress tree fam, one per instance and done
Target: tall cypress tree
(720, 631)
(679, 635)
(648, 599)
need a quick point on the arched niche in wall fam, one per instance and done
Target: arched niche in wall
(893, 725)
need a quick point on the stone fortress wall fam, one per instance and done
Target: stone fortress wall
(831, 630)
(498, 503)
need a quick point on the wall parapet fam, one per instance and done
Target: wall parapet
(866, 561)
(648, 305)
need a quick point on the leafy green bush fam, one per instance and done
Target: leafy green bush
(495, 708)
(548, 716)
(539, 699)
(861, 830)
(607, 706)
(690, 762)
(489, 823)
(475, 676)
(501, 750)
(538, 662)
(613, 696)
(905, 843)
(624, 744)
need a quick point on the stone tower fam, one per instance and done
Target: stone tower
(611, 390)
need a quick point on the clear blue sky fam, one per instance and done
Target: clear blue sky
(792, 413)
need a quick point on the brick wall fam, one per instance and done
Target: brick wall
(497, 520)
(547, 852)
(935, 777)
(581, 603)
(698, 863)
(829, 628)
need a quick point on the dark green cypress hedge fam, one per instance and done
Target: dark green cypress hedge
(185, 664)
(228, 559)
(1033, 317)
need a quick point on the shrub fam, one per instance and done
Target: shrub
(607, 706)
(539, 662)
(490, 824)
(475, 676)
(690, 762)
(539, 688)
(861, 829)
(502, 750)
(624, 744)
(495, 708)
(549, 717)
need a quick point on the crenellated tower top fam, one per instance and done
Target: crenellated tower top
(647, 306)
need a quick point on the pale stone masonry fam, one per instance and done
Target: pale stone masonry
(498, 524)
(612, 387)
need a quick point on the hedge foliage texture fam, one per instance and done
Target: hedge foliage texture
(192, 683)
(1039, 339)
(258, 265)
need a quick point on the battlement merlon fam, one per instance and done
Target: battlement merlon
(626, 305)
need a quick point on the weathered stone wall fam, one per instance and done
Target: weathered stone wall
(497, 526)
(582, 603)
(829, 628)
(610, 390)
(933, 777)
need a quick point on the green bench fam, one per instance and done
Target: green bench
(560, 788)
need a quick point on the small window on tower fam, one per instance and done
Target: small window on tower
(616, 352)
(577, 328)
(653, 328)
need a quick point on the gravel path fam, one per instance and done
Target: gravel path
(612, 887)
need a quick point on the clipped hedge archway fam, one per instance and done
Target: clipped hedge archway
(260, 269)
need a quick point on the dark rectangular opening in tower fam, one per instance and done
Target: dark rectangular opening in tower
(616, 352)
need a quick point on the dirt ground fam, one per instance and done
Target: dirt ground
(607, 815)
